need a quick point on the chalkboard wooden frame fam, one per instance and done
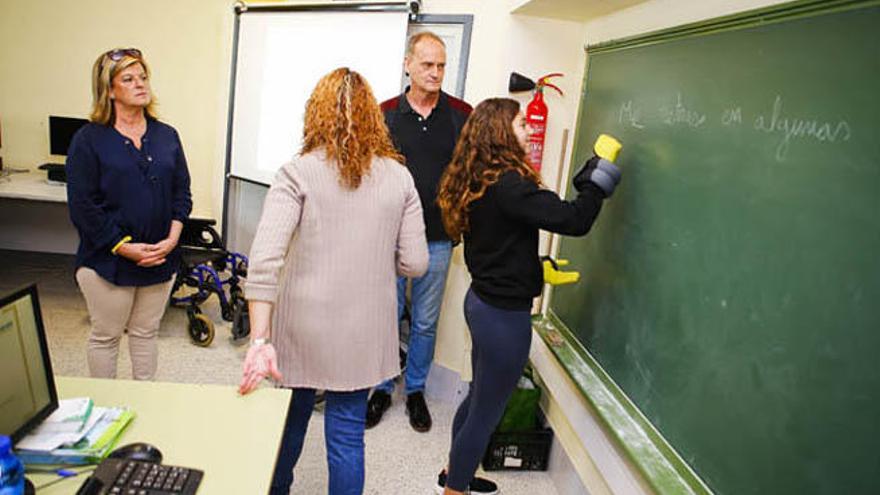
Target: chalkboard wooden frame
(750, 18)
(663, 469)
(656, 460)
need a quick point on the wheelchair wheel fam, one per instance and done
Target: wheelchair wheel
(201, 330)
(241, 324)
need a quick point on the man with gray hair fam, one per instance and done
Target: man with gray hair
(424, 123)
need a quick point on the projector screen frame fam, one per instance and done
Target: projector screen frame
(465, 22)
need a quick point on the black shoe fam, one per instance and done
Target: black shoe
(419, 417)
(477, 486)
(379, 403)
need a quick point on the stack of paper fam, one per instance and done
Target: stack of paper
(70, 417)
(60, 442)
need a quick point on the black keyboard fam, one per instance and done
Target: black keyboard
(127, 477)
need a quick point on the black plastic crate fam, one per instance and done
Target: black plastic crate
(518, 451)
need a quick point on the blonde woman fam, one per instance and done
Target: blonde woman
(128, 192)
(340, 223)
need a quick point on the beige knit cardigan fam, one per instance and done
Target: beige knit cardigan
(328, 257)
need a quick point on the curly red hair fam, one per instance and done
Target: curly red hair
(486, 149)
(343, 118)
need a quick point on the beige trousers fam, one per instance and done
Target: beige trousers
(112, 310)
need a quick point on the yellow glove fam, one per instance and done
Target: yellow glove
(554, 276)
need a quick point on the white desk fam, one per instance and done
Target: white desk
(233, 439)
(34, 216)
(32, 186)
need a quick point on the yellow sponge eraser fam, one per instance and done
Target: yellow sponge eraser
(607, 147)
(557, 277)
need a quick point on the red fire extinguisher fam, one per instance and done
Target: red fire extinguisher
(536, 117)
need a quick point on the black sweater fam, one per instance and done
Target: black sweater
(501, 247)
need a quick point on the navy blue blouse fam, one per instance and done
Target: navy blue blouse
(116, 190)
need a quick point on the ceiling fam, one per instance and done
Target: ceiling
(572, 10)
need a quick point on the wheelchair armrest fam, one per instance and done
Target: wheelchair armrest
(197, 232)
(199, 223)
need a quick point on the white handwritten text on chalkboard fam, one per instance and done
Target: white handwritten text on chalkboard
(681, 114)
(629, 116)
(791, 128)
(787, 126)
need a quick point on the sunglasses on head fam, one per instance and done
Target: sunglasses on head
(117, 54)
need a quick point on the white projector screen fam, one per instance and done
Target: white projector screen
(282, 55)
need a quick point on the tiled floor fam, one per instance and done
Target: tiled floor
(399, 460)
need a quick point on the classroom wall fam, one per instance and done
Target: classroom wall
(47, 49)
(652, 15)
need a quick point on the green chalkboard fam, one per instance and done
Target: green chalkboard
(731, 287)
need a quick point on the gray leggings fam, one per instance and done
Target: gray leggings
(501, 340)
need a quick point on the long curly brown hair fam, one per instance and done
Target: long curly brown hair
(343, 118)
(486, 149)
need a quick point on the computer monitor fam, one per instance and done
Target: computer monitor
(61, 131)
(27, 389)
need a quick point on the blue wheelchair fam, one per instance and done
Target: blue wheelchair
(207, 268)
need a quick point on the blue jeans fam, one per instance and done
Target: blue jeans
(427, 296)
(344, 419)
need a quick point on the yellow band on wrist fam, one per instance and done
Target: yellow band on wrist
(120, 243)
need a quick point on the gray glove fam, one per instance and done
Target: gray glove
(599, 171)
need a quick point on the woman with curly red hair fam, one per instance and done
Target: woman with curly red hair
(491, 198)
(340, 223)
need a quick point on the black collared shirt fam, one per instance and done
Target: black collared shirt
(427, 145)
